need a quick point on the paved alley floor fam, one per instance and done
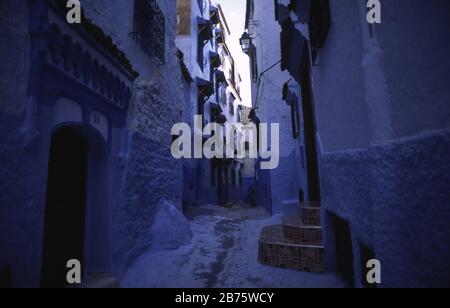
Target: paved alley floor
(223, 253)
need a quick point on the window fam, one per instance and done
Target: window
(149, 28)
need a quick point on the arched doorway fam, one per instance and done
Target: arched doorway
(65, 205)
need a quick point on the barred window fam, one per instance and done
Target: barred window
(149, 28)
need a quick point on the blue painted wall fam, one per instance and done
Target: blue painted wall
(136, 173)
(385, 143)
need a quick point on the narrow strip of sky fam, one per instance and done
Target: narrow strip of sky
(234, 11)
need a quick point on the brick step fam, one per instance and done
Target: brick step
(296, 232)
(275, 250)
(310, 216)
(316, 205)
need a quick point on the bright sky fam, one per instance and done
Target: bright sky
(234, 11)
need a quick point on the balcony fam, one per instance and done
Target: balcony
(214, 59)
(204, 30)
(220, 37)
(214, 15)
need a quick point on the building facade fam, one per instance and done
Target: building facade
(278, 189)
(374, 114)
(86, 113)
(202, 35)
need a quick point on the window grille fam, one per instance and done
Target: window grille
(149, 28)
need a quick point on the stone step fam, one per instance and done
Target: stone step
(297, 233)
(310, 204)
(289, 206)
(310, 216)
(275, 250)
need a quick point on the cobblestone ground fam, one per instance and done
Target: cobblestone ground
(223, 253)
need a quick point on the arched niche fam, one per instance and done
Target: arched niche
(67, 111)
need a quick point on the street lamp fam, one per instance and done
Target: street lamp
(246, 42)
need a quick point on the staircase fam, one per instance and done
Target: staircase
(296, 243)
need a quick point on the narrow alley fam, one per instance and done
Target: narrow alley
(221, 254)
(224, 144)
